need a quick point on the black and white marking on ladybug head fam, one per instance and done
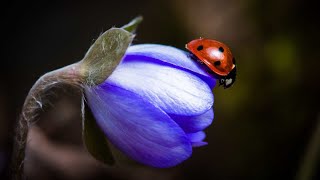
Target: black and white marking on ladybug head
(227, 81)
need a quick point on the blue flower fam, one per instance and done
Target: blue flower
(155, 105)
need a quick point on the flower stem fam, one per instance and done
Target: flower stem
(98, 64)
(34, 103)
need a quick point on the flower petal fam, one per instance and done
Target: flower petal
(199, 144)
(136, 127)
(173, 90)
(196, 137)
(173, 56)
(191, 124)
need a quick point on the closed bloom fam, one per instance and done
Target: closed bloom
(155, 105)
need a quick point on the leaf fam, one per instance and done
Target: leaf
(133, 24)
(104, 55)
(94, 139)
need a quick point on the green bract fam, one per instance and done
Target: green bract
(105, 54)
(97, 65)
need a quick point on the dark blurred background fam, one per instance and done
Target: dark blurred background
(265, 126)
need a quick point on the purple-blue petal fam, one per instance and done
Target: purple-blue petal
(173, 56)
(197, 136)
(191, 124)
(173, 90)
(138, 128)
(199, 144)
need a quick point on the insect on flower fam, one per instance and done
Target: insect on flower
(155, 105)
(217, 57)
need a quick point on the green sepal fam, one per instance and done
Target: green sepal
(104, 55)
(97, 65)
(133, 24)
(94, 139)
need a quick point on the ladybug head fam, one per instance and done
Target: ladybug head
(227, 81)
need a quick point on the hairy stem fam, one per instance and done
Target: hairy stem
(33, 105)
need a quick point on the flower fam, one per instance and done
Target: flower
(155, 105)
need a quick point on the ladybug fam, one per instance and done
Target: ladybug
(217, 57)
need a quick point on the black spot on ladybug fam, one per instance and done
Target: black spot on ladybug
(217, 63)
(199, 48)
(234, 61)
(221, 49)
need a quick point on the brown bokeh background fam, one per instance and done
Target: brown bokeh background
(263, 125)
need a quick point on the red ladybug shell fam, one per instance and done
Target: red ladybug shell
(216, 55)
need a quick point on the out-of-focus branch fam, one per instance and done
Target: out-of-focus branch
(34, 103)
(312, 156)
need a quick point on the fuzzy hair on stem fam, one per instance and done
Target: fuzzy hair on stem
(33, 106)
